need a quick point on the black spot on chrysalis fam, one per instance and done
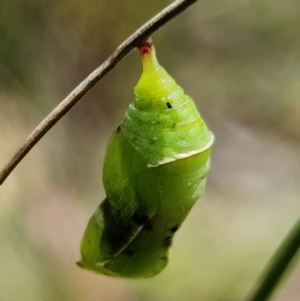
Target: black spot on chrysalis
(118, 129)
(169, 105)
(174, 229)
(168, 241)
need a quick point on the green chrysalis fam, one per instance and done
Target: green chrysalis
(154, 172)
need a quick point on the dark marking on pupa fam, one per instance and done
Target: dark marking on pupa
(169, 105)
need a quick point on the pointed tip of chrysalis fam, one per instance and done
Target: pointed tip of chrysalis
(155, 82)
(79, 263)
(148, 55)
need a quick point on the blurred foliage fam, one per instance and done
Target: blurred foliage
(239, 60)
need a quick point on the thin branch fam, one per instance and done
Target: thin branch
(135, 39)
(277, 266)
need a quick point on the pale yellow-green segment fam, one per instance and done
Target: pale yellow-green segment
(163, 123)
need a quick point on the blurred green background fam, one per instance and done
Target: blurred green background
(239, 60)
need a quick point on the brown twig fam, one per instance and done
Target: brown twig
(135, 39)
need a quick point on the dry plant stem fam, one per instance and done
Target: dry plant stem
(277, 266)
(135, 39)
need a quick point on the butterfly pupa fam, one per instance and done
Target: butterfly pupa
(154, 171)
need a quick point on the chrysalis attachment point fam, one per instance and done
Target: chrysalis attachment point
(147, 52)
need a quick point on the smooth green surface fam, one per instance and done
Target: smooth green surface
(154, 172)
